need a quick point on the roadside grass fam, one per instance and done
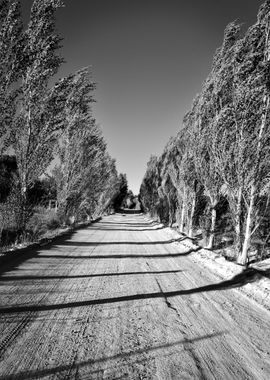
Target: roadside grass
(44, 223)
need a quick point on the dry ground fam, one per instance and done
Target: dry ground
(120, 300)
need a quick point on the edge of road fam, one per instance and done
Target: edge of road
(44, 242)
(253, 281)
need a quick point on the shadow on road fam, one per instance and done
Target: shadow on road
(12, 260)
(247, 276)
(95, 243)
(128, 211)
(39, 374)
(20, 278)
(127, 229)
(148, 224)
(123, 256)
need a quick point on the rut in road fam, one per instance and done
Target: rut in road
(121, 299)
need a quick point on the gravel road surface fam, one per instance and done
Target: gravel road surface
(121, 300)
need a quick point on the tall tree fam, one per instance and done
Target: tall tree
(257, 81)
(11, 64)
(228, 152)
(149, 190)
(78, 128)
(34, 129)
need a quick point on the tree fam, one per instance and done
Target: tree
(11, 64)
(78, 128)
(149, 190)
(35, 129)
(257, 80)
(122, 193)
(228, 150)
(110, 188)
(225, 146)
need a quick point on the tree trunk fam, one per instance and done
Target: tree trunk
(243, 257)
(22, 217)
(170, 212)
(212, 230)
(190, 228)
(182, 219)
(178, 212)
(237, 227)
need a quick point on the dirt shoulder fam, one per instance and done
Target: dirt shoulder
(254, 282)
(49, 238)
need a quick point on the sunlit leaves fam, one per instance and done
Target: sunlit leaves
(226, 134)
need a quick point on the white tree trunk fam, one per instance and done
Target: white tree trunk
(190, 229)
(170, 212)
(237, 228)
(213, 226)
(243, 257)
(182, 219)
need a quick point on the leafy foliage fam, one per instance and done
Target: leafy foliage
(48, 123)
(222, 152)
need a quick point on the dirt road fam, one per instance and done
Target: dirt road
(121, 300)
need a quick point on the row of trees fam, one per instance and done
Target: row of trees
(42, 119)
(220, 160)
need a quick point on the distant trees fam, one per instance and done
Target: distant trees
(123, 189)
(223, 151)
(149, 188)
(43, 120)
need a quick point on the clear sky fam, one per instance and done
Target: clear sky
(149, 59)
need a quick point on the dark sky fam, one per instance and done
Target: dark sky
(149, 59)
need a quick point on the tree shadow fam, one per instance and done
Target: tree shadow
(122, 256)
(38, 374)
(97, 243)
(127, 229)
(129, 212)
(246, 276)
(13, 259)
(59, 277)
(131, 224)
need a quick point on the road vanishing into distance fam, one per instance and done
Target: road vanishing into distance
(121, 300)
